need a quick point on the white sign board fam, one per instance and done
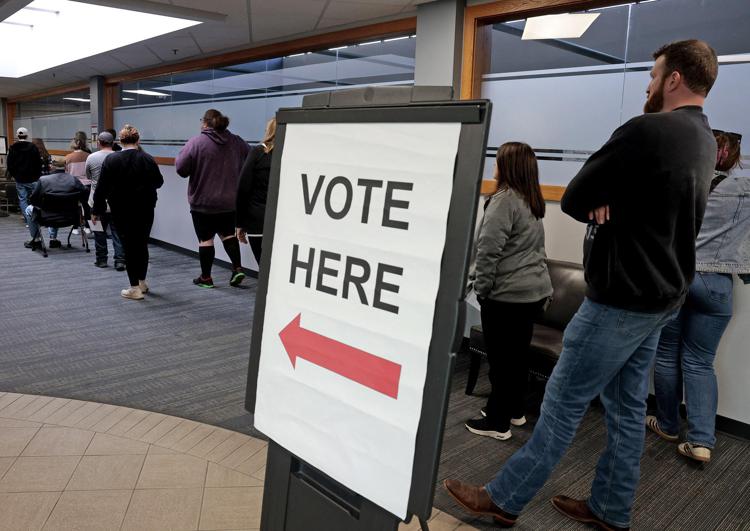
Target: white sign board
(360, 230)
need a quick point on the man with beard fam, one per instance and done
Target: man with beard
(643, 195)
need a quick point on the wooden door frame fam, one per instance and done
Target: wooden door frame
(477, 48)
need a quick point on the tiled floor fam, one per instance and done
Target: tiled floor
(73, 465)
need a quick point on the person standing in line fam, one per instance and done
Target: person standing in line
(687, 347)
(115, 145)
(93, 171)
(25, 166)
(213, 160)
(44, 154)
(75, 164)
(643, 195)
(128, 183)
(253, 191)
(510, 278)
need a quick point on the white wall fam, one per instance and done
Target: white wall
(173, 224)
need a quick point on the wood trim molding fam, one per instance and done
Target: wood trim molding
(10, 115)
(164, 161)
(305, 44)
(550, 193)
(59, 152)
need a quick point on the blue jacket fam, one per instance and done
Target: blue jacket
(723, 244)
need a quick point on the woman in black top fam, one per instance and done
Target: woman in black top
(128, 182)
(253, 190)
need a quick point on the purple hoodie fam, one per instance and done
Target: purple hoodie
(213, 161)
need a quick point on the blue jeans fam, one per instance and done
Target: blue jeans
(607, 351)
(100, 240)
(24, 191)
(685, 356)
(34, 226)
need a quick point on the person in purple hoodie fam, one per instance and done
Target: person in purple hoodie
(213, 160)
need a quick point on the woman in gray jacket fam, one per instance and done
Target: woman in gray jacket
(511, 283)
(687, 347)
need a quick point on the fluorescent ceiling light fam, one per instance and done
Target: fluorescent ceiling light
(37, 31)
(397, 38)
(78, 99)
(567, 26)
(143, 92)
(128, 99)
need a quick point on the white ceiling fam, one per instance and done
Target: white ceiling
(247, 23)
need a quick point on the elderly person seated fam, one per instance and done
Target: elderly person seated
(49, 187)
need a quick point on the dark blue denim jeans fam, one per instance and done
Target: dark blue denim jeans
(685, 357)
(607, 351)
(100, 241)
(24, 191)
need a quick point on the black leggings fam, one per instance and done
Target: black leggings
(134, 230)
(507, 329)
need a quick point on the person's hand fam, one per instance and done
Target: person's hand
(600, 215)
(241, 235)
(94, 218)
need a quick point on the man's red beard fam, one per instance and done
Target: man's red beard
(655, 100)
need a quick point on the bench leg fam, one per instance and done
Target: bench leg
(475, 363)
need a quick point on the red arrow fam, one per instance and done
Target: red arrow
(367, 369)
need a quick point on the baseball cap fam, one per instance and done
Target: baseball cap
(22, 132)
(106, 138)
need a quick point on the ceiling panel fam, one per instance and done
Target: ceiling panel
(273, 20)
(353, 11)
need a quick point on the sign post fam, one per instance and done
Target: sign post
(359, 312)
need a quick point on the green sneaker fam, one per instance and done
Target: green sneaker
(237, 278)
(204, 282)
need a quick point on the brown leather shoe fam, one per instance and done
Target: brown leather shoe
(579, 511)
(476, 500)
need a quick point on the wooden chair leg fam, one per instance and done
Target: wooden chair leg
(475, 363)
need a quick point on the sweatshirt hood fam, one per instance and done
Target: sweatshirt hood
(217, 137)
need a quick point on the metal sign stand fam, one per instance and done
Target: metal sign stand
(297, 496)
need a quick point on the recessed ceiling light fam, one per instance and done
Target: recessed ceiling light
(143, 92)
(86, 29)
(128, 99)
(567, 26)
(78, 99)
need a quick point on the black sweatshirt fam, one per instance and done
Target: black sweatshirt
(24, 162)
(654, 173)
(253, 190)
(128, 182)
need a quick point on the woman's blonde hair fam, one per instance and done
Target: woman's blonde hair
(270, 135)
(129, 134)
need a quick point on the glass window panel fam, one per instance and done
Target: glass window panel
(251, 93)
(55, 119)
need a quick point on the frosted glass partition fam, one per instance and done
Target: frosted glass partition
(56, 130)
(167, 109)
(564, 97)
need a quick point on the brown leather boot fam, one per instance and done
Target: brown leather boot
(579, 511)
(476, 500)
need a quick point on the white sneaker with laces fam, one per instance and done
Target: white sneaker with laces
(133, 293)
(87, 230)
(76, 232)
(144, 287)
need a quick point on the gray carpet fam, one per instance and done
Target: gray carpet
(66, 332)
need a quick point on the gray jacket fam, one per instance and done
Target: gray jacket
(723, 244)
(509, 255)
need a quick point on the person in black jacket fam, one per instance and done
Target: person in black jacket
(128, 182)
(25, 166)
(253, 190)
(57, 183)
(643, 195)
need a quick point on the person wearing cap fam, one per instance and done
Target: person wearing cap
(25, 166)
(94, 164)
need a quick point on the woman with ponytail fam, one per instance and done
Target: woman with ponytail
(213, 160)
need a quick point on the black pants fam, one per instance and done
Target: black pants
(134, 230)
(256, 245)
(507, 329)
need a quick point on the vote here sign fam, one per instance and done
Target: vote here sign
(359, 235)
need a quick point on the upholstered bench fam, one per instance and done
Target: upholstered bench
(546, 343)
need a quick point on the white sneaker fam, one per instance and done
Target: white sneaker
(87, 230)
(144, 287)
(133, 293)
(76, 232)
(518, 422)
